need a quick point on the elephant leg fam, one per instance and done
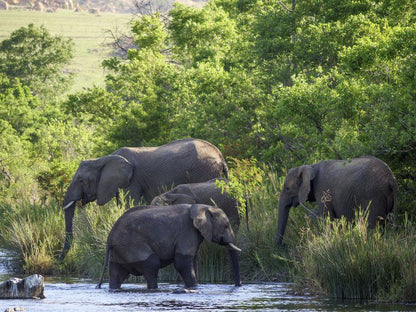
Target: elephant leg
(150, 268)
(377, 213)
(196, 266)
(185, 265)
(118, 274)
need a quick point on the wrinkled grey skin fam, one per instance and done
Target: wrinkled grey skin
(31, 287)
(340, 187)
(141, 172)
(207, 193)
(147, 238)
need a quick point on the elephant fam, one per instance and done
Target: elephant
(207, 193)
(27, 288)
(142, 172)
(340, 187)
(147, 238)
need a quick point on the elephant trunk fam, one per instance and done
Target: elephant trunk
(282, 220)
(69, 217)
(235, 265)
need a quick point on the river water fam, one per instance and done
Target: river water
(81, 295)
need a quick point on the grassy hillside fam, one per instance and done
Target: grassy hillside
(86, 30)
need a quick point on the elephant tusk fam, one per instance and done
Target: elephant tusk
(234, 247)
(68, 205)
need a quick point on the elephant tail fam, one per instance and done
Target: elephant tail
(106, 260)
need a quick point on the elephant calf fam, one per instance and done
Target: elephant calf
(147, 238)
(207, 193)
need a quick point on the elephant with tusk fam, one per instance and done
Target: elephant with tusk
(145, 239)
(142, 172)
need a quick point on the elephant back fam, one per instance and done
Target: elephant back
(158, 169)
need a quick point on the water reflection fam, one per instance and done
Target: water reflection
(83, 296)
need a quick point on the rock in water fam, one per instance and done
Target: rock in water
(27, 288)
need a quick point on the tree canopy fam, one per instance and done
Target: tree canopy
(37, 58)
(286, 82)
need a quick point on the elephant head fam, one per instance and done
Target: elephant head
(214, 226)
(296, 190)
(96, 179)
(181, 194)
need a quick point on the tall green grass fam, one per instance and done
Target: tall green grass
(34, 233)
(260, 259)
(348, 261)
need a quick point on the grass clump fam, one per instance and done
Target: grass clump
(34, 234)
(348, 261)
(92, 226)
(260, 259)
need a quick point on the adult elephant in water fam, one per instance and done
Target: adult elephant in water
(340, 187)
(140, 172)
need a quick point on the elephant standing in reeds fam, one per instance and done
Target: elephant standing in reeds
(142, 172)
(340, 187)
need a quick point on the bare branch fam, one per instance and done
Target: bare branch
(284, 6)
(120, 42)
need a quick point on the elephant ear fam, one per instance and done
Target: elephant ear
(202, 220)
(306, 175)
(116, 173)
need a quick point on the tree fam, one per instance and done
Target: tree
(37, 58)
(144, 84)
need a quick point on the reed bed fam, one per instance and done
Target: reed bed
(337, 259)
(349, 261)
(34, 233)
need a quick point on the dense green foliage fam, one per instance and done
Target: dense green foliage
(281, 82)
(37, 59)
(288, 83)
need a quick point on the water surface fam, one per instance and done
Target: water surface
(83, 296)
(79, 295)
